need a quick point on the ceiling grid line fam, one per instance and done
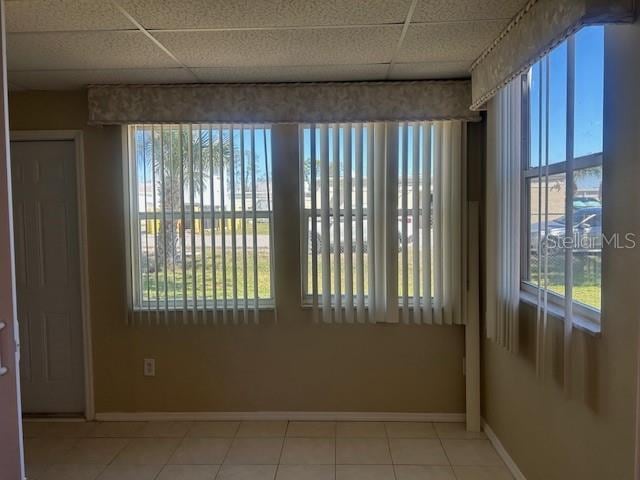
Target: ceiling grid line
(403, 34)
(142, 29)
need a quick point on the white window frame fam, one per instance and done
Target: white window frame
(136, 302)
(584, 316)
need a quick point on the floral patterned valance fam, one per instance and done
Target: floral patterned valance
(281, 103)
(540, 26)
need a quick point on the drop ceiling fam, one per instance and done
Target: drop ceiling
(67, 44)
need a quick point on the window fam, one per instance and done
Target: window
(372, 227)
(562, 194)
(200, 218)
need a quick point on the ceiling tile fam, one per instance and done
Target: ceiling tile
(82, 50)
(283, 47)
(447, 10)
(63, 15)
(448, 42)
(312, 73)
(430, 71)
(175, 14)
(74, 79)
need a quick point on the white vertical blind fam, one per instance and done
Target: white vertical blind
(195, 191)
(503, 218)
(367, 201)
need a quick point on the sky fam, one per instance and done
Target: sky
(588, 103)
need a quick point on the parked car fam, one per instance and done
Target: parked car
(587, 231)
(319, 235)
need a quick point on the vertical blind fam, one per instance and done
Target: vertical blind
(503, 216)
(382, 218)
(200, 219)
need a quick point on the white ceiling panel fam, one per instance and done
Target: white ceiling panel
(73, 79)
(283, 47)
(448, 42)
(432, 70)
(177, 14)
(460, 10)
(63, 15)
(325, 73)
(83, 50)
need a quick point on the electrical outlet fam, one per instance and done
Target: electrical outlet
(149, 367)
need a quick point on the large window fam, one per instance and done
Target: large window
(381, 206)
(562, 194)
(200, 218)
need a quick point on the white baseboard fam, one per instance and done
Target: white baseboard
(506, 458)
(299, 416)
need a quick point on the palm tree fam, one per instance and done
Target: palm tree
(181, 161)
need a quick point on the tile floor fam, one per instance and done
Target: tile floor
(258, 451)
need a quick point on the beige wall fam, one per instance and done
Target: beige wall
(590, 434)
(291, 365)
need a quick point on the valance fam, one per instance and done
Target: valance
(539, 27)
(281, 103)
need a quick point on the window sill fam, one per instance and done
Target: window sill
(580, 322)
(189, 309)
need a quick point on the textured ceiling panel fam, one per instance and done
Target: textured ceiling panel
(459, 10)
(59, 15)
(174, 14)
(328, 73)
(448, 42)
(283, 47)
(83, 50)
(435, 70)
(73, 79)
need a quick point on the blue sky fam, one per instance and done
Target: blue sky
(588, 99)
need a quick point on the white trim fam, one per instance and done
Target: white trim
(77, 137)
(504, 455)
(292, 416)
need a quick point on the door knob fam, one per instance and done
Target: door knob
(3, 370)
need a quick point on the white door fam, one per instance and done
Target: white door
(47, 255)
(11, 457)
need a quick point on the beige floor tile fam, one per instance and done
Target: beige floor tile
(255, 451)
(164, 429)
(306, 472)
(73, 472)
(147, 451)
(456, 430)
(364, 472)
(482, 473)
(423, 472)
(201, 451)
(410, 430)
(471, 452)
(130, 472)
(362, 451)
(188, 472)
(46, 450)
(309, 451)
(417, 451)
(34, 429)
(311, 429)
(262, 429)
(214, 429)
(118, 429)
(98, 451)
(361, 429)
(247, 472)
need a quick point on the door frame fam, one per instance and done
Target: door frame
(76, 136)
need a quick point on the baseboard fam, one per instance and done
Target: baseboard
(299, 416)
(506, 458)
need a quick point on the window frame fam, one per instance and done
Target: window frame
(137, 303)
(584, 316)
